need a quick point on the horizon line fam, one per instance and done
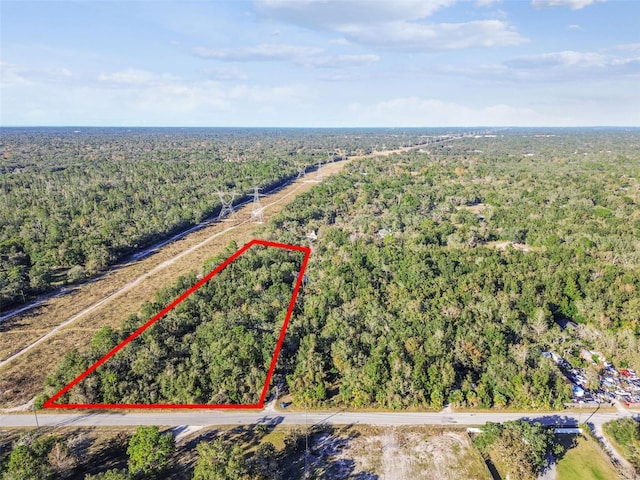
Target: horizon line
(319, 127)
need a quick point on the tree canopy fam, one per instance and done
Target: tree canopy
(149, 451)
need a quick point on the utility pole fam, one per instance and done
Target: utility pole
(593, 413)
(306, 440)
(36, 415)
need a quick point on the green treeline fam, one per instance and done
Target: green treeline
(214, 347)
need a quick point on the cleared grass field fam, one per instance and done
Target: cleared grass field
(585, 461)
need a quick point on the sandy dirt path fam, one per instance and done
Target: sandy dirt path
(619, 461)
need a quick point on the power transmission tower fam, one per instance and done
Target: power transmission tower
(227, 205)
(302, 170)
(257, 214)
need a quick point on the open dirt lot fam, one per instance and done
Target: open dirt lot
(396, 454)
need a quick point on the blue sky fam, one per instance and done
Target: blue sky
(320, 63)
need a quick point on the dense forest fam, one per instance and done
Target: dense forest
(441, 274)
(215, 347)
(73, 202)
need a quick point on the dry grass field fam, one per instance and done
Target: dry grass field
(417, 453)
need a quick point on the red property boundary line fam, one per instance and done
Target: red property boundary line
(307, 252)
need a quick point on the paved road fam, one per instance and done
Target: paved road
(204, 418)
(193, 420)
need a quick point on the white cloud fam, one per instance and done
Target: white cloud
(225, 72)
(14, 74)
(342, 61)
(298, 55)
(136, 77)
(148, 88)
(443, 36)
(398, 24)
(567, 58)
(145, 101)
(486, 3)
(329, 14)
(416, 111)
(11, 74)
(573, 4)
(339, 41)
(574, 27)
(583, 64)
(627, 47)
(615, 63)
(263, 52)
(341, 76)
